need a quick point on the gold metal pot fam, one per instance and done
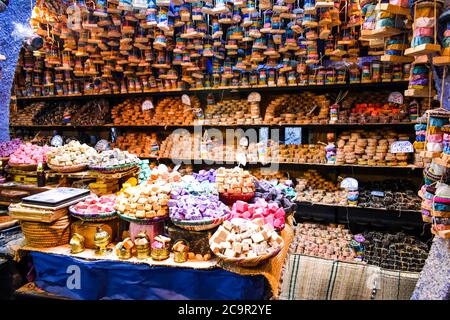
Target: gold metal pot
(142, 245)
(123, 253)
(160, 254)
(76, 243)
(101, 240)
(180, 251)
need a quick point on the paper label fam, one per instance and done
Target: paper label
(185, 99)
(402, 147)
(147, 105)
(349, 183)
(396, 97)
(377, 193)
(241, 159)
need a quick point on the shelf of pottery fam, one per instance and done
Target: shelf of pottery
(117, 49)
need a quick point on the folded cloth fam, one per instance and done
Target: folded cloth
(420, 82)
(423, 32)
(441, 206)
(417, 41)
(435, 138)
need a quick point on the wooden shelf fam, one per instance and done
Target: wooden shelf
(309, 125)
(354, 207)
(293, 89)
(441, 61)
(419, 50)
(225, 162)
(419, 93)
(379, 33)
(396, 59)
(394, 9)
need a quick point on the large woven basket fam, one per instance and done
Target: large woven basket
(250, 262)
(230, 198)
(142, 220)
(93, 217)
(113, 169)
(23, 167)
(46, 235)
(68, 169)
(200, 225)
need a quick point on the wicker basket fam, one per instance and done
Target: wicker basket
(200, 225)
(250, 262)
(230, 198)
(23, 167)
(46, 235)
(68, 169)
(142, 220)
(95, 217)
(113, 169)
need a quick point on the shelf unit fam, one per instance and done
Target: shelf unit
(227, 90)
(355, 170)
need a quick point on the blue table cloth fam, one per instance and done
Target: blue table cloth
(81, 279)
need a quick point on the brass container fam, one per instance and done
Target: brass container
(101, 240)
(142, 245)
(123, 253)
(76, 243)
(160, 254)
(180, 257)
(180, 251)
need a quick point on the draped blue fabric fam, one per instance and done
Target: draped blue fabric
(121, 280)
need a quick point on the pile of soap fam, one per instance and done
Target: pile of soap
(144, 172)
(163, 174)
(72, 154)
(280, 195)
(114, 157)
(190, 185)
(234, 180)
(205, 175)
(326, 241)
(270, 212)
(196, 207)
(144, 201)
(240, 238)
(7, 148)
(29, 154)
(96, 205)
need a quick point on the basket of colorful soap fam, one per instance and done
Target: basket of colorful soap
(27, 156)
(197, 212)
(72, 157)
(145, 203)
(7, 148)
(113, 161)
(95, 208)
(234, 185)
(247, 243)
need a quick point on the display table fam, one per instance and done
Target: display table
(107, 279)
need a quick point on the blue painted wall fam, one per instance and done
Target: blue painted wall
(18, 11)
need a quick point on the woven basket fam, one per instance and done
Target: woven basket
(23, 167)
(230, 198)
(94, 217)
(143, 220)
(68, 169)
(113, 169)
(46, 235)
(200, 225)
(250, 262)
